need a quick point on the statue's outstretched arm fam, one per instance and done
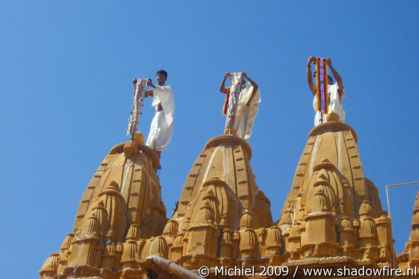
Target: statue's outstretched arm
(222, 86)
(134, 82)
(336, 76)
(310, 75)
(254, 85)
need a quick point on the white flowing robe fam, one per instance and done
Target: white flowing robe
(245, 115)
(161, 127)
(335, 105)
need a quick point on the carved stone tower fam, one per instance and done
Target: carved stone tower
(121, 205)
(333, 211)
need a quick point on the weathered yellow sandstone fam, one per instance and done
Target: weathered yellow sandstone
(332, 216)
(409, 258)
(333, 211)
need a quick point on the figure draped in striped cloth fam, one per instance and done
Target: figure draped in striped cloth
(332, 103)
(241, 104)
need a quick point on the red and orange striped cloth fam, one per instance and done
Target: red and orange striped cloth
(225, 107)
(322, 94)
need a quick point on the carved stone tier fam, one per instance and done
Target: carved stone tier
(334, 126)
(216, 141)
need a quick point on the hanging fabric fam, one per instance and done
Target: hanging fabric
(140, 88)
(322, 94)
(233, 98)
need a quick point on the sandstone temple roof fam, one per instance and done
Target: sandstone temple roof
(332, 215)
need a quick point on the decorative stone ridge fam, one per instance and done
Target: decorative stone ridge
(152, 154)
(334, 126)
(230, 139)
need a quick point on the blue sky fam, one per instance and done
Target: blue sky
(65, 96)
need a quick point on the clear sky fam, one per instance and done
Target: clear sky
(65, 94)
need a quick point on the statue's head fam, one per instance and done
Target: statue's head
(161, 77)
(242, 82)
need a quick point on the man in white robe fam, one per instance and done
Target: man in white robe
(247, 106)
(161, 127)
(335, 93)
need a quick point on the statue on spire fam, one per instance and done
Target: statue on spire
(328, 97)
(241, 104)
(161, 127)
